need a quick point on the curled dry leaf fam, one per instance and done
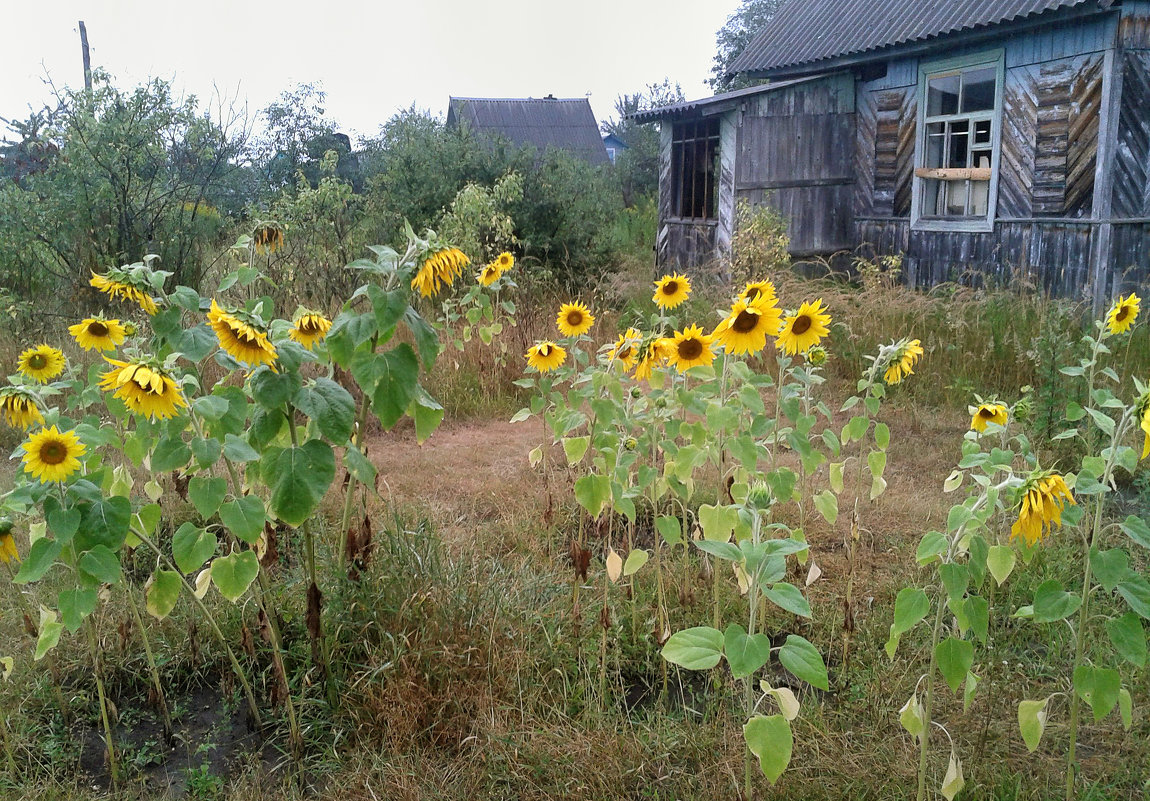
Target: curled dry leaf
(614, 565)
(814, 573)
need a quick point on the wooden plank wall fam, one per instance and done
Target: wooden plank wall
(1130, 248)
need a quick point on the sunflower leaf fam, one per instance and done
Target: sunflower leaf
(329, 406)
(698, 648)
(298, 478)
(233, 574)
(770, 739)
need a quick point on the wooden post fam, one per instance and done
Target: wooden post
(87, 57)
(1102, 203)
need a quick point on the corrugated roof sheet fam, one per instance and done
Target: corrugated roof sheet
(804, 32)
(540, 122)
(676, 109)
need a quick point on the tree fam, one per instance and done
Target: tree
(732, 39)
(637, 167)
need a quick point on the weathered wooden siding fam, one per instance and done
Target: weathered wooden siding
(795, 153)
(725, 207)
(1130, 195)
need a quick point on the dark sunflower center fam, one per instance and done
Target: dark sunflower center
(802, 325)
(38, 361)
(752, 293)
(247, 339)
(544, 350)
(690, 349)
(574, 318)
(986, 414)
(670, 288)
(308, 327)
(1123, 313)
(745, 322)
(97, 329)
(53, 452)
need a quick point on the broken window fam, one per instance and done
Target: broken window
(956, 160)
(694, 167)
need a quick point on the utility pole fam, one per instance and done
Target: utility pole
(87, 58)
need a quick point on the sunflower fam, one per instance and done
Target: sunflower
(1043, 497)
(902, 363)
(1123, 314)
(755, 290)
(8, 552)
(652, 354)
(268, 238)
(144, 388)
(545, 356)
(624, 349)
(988, 413)
(671, 290)
(804, 329)
(817, 356)
(574, 319)
(489, 274)
(118, 289)
(52, 456)
(440, 267)
(505, 261)
(309, 327)
(1144, 421)
(20, 408)
(746, 328)
(41, 363)
(690, 348)
(245, 342)
(96, 333)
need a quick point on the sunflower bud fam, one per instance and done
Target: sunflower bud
(817, 356)
(130, 329)
(636, 393)
(759, 496)
(661, 403)
(630, 443)
(5, 526)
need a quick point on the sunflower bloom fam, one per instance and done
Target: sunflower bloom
(493, 271)
(545, 356)
(440, 267)
(41, 363)
(1123, 314)
(671, 290)
(241, 339)
(903, 362)
(1043, 499)
(268, 238)
(52, 456)
(20, 408)
(817, 356)
(625, 348)
(309, 328)
(96, 333)
(759, 290)
(652, 354)
(690, 348)
(746, 328)
(804, 329)
(122, 290)
(1144, 421)
(8, 552)
(144, 388)
(988, 413)
(574, 319)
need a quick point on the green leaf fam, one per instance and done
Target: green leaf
(75, 605)
(359, 466)
(803, 659)
(1110, 567)
(770, 739)
(1000, 561)
(978, 614)
(788, 597)
(635, 560)
(718, 522)
(745, 654)
(388, 307)
(210, 407)
(396, 374)
(1136, 591)
(955, 578)
(41, 557)
(699, 648)
(266, 426)
(593, 492)
(171, 453)
(62, 522)
(329, 406)
(104, 521)
(1032, 722)
(827, 504)
(244, 517)
(968, 691)
(1137, 529)
(162, 594)
(425, 337)
(101, 563)
(910, 606)
(932, 545)
(197, 342)
(1052, 603)
(348, 331)
(273, 390)
(234, 573)
(50, 631)
(1128, 637)
(1098, 687)
(427, 414)
(206, 494)
(575, 448)
(238, 451)
(722, 550)
(206, 451)
(298, 479)
(882, 435)
(192, 546)
(954, 658)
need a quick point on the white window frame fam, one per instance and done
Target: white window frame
(920, 222)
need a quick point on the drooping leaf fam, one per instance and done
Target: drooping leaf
(804, 660)
(1000, 561)
(1128, 637)
(299, 478)
(206, 494)
(75, 605)
(192, 546)
(954, 657)
(745, 653)
(162, 593)
(1032, 722)
(234, 573)
(770, 739)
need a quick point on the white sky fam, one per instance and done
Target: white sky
(372, 59)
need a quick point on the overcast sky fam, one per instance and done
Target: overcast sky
(372, 59)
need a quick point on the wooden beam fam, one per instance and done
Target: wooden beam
(87, 57)
(954, 173)
(798, 183)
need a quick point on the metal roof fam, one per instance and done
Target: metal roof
(805, 32)
(678, 109)
(566, 123)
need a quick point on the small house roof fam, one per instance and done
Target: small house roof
(815, 33)
(716, 104)
(566, 123)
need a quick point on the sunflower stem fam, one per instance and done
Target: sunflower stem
(155, 673)
(113, 765)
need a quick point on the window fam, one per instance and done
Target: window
(694, 165)
(611, 154)
(956, 162)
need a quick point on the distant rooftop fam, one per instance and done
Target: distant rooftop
(566, 123)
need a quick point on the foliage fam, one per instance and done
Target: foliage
(479, 221)
(760, 242)
(732, 39)
(637, 167)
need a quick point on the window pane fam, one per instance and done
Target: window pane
(935, 144)
(942, 95)
(933, 198)
(956, 198)
(980, 158)
(979, 197)
(959, 144)
(982, 132)
(978, 90)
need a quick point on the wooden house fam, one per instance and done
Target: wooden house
(980, 139)
(614, 145)
(540, 123)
